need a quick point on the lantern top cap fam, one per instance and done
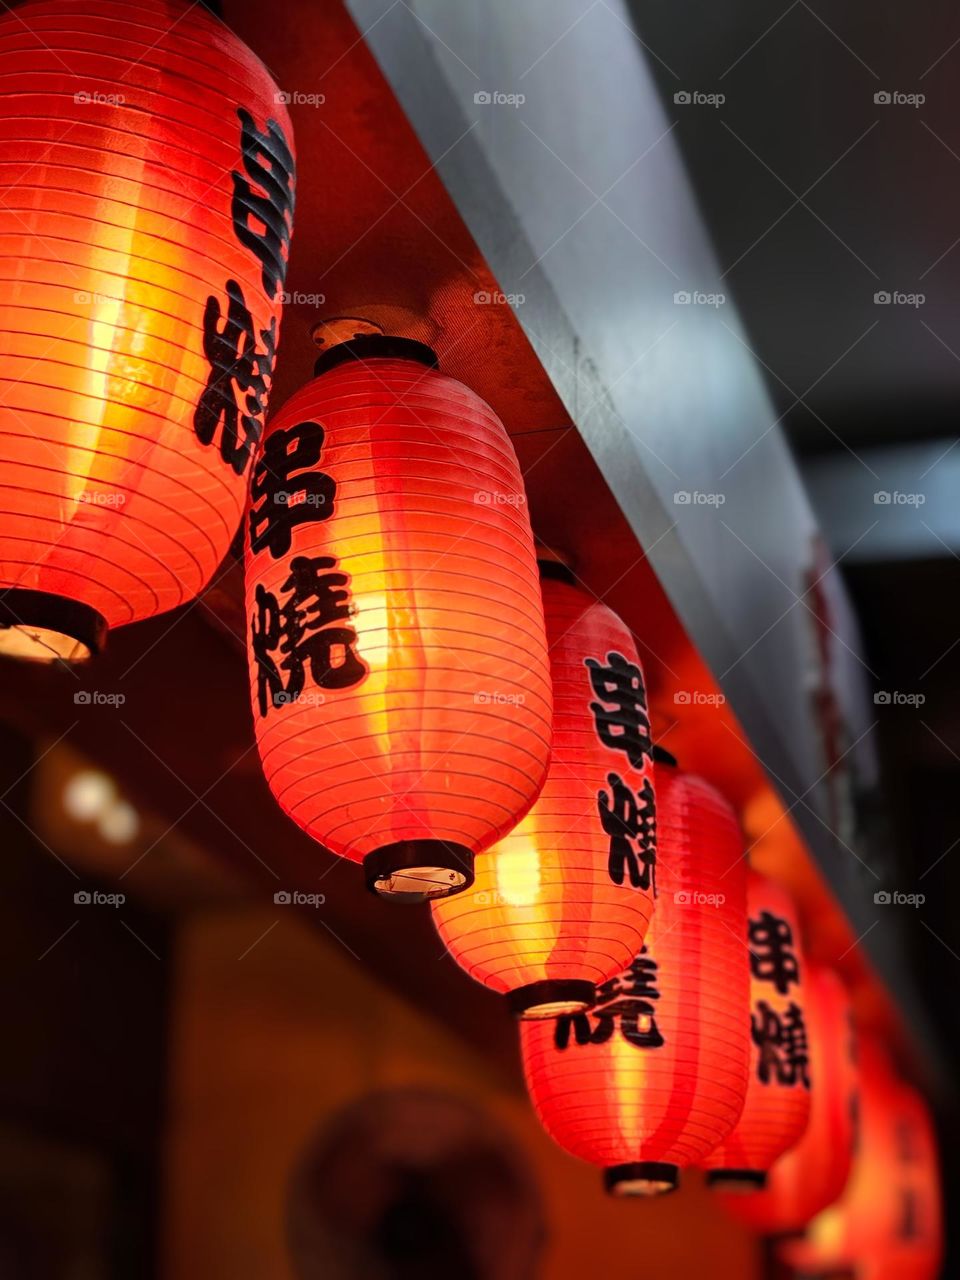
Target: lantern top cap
(345, 338)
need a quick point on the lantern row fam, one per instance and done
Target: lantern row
(430, 701)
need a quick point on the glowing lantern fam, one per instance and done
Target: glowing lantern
(887, 1225)
(655, 1075)
(563, 902)
(398, 662)
(812, 1175)
(778, 1098)
(147, 178)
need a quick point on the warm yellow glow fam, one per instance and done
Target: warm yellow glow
(517, 863)
(88, 794)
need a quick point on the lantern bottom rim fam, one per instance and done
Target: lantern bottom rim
(411, 871)
(39, 626)
(551, 998)
(737, 1179)
(641, 1178)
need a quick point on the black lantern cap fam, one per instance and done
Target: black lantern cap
(43, 627)
(412, 871)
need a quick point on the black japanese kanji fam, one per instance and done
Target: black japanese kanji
(238, 368)
(620, 715)
(630, 820)
(295, 636)
(782, 1044)
(772, 957)
(269, 163)
(625, 1000)
(284, 492)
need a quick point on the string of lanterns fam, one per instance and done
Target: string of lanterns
(496, 762)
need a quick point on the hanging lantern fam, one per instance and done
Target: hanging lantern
(148, 174)
(888, 1223)
(778, 1098)
(812, 1175)
(398, 662)
(563, 901)
(655, 1075)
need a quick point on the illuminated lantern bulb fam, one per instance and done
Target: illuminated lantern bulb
(148, 173)
(812, 1175)
(88, 794)
(563, 902)
(398, 662)
(888, 1223)
(655, 1075)
(777, 1108)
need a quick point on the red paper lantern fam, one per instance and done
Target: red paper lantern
(888, 1223)
(778, 1098)
(655, 1075)
(811, 1175)
(147, 180)
(398, 661)
(563, 901)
